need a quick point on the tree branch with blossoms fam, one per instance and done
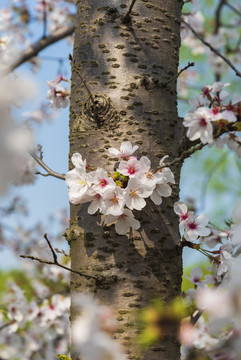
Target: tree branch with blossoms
(230, 64)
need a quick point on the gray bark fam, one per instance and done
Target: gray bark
(125, 66)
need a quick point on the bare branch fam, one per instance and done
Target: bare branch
(179, 73)
(50, 172)
(218, 15)
(184, 155)
(41, 44)
(51, 248)
(233, 8)
(238, 73)
(126, 18)
(82, 79)
(55, 262)
(44, 19)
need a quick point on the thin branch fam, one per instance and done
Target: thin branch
(233, 8)
(218, 15)
(179, 73)
(50, 172)
(55, 261)
(82, 79)
(238, 73)
(51, 248)
(126, 18)
(44, 19)
(184, 155)
(41, 44)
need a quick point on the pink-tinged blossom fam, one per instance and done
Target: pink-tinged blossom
(58, 97)
(114, 202)
(125, 221)
(102, 182)
(126, 150)
(199, 125)
(129, 168)
(135, 194)
(195, 227)
(195, 276)
(181, 210)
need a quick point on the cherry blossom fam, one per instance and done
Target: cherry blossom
(195, 227)
(79, 182)
(102, 182)
(135, 194)
(124, 221)
(114, 202)
(129, 168)
(199, 125)
(57, 95)
(126, 150)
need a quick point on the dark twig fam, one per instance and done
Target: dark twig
(179, 73)
(50, 172)
(55, 262)
(44, 19)
(238, 73)
(82, 79)
(233, 8)
(40, 45)
(218, 15)
(216, 28)
(126, 18)
(184, 155)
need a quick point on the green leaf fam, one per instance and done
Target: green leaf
(63, 357)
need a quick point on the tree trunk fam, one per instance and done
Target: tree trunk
(125, 67)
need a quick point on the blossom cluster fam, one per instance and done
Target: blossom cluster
(208, 108)
(190, 225)
(216, 334)
(116, 196)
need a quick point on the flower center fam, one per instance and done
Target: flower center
(103, 183)
(132, 193)
(203, 122)
(149, 175)
(115, 200)
(184, 216)
(192, 226)
(131, 170)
